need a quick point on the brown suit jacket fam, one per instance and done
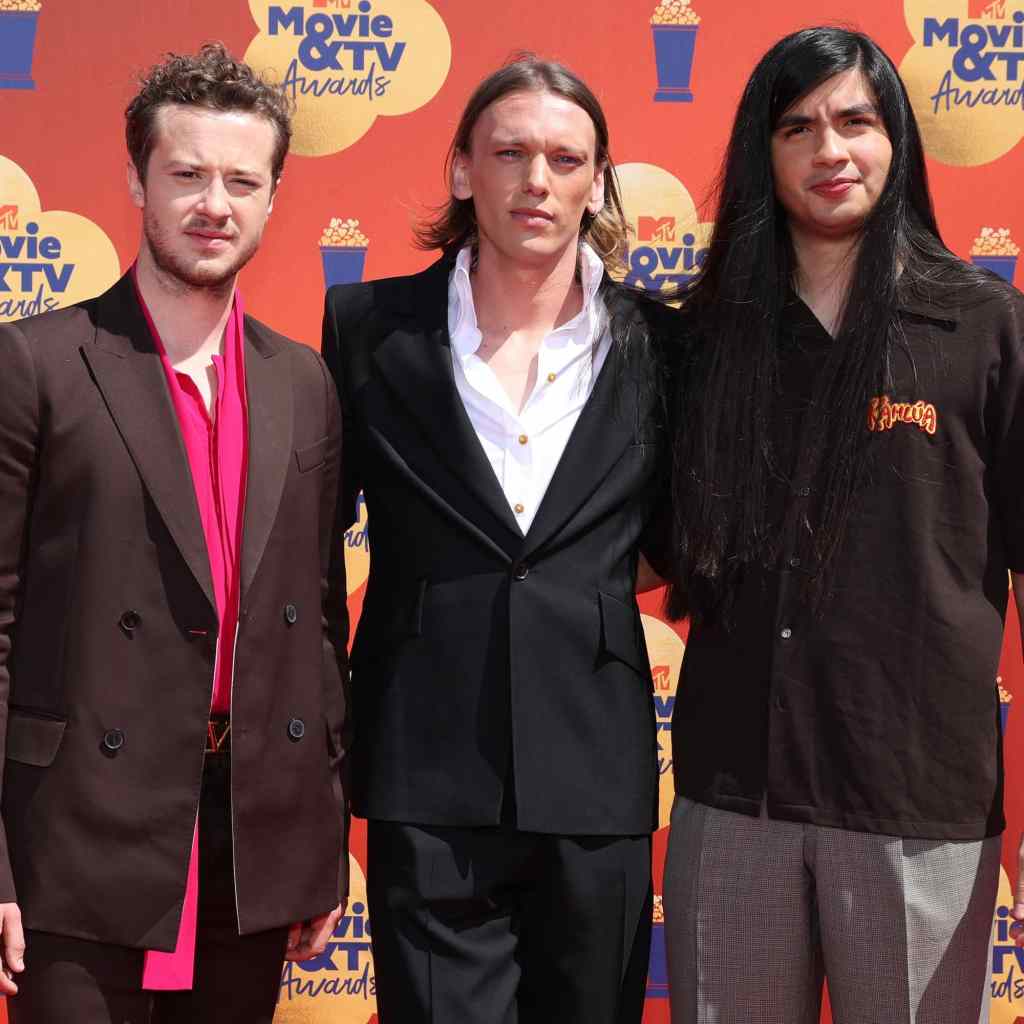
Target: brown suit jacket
(108, 623)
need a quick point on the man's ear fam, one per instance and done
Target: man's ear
(136, 189)
(273, 196)
(461, 187)
(596, 202)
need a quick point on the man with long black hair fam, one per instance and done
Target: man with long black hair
(848, 498)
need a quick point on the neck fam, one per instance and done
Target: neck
(189, 319)
(518, 297)
(824, 267)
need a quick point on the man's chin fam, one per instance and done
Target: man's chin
(205, 274)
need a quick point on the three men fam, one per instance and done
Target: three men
(168, 472)
(848, 498)
(501, 417)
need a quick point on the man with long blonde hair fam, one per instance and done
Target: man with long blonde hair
(500, 418)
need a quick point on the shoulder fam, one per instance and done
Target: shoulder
(976, 301)
(304, 361)
(71, 324)
(350, 304)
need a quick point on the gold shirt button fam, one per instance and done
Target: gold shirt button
(519, 510)
(523, 439)
(552, 377)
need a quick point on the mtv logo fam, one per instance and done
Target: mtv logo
(986, 10)
(9, 217)
(661, 676)
(656, 229)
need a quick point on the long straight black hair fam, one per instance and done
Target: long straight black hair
(723, 453)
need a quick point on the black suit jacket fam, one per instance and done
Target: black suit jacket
(483, 656)
(98, 517)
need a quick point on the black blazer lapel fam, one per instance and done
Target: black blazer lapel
(269, 392)
(128, 372)
(608, 423)
(415, 360)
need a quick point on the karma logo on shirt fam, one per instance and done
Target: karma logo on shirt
(965, 76)
(47, 259)
(668, 243)
(339, 986)
(665, 649)
(346, 62)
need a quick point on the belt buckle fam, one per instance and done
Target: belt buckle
(218, 736)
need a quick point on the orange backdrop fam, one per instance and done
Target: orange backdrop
(379, 86)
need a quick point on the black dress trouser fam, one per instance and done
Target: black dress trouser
(498, 926)
(237, 978)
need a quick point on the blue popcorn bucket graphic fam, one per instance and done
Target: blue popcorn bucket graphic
(674, 47)
(343, 264)
(17, 45)
(1004, 266)
(657, 967)
(1004, 715)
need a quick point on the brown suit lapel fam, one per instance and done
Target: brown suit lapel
(269, 389)
(127, 370)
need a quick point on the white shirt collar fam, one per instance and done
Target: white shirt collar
(462, 322)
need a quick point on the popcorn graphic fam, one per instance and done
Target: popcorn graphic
(343, 250)
(995, 250)
(18, 20)
(1005, 700)
(675, 12)
(674, 26)
(657, 966)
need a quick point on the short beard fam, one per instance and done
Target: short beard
(182, 276)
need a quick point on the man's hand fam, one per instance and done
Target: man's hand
(13, 938)
(308, 938)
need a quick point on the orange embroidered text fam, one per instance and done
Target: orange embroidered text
(884, 414)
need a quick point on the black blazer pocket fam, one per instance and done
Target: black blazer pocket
(34, 739)
(621, 634)
(312, 457)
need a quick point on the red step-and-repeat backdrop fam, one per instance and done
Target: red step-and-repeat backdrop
(379, 86)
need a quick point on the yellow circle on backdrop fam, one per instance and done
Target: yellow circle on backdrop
(346, 62)
(667, 239)
(1007, 961)
(665, 649)
(47, 259)
(964, 76)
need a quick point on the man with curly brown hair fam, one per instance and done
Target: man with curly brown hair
(172, 808)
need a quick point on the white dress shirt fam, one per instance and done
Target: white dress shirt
(524, 446)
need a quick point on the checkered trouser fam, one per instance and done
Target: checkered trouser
(758, 911)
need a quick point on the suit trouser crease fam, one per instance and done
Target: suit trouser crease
(758, 910)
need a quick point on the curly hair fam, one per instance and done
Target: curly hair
(211, 79)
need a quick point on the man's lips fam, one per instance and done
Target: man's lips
(531, 215)
(834, 188)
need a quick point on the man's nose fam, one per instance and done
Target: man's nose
(536, 175)
(214, 200)
(831, 148)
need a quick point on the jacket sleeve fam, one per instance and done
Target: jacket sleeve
(19, 432)
(334, 620)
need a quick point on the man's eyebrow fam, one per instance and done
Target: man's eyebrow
(791, 120)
